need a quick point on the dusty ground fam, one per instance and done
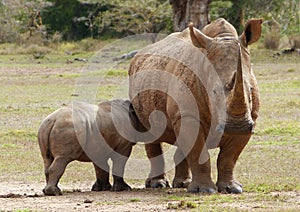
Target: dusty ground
(20, 196)
(28, 197)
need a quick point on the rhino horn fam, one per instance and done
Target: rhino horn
(198, 38)
(237, 103)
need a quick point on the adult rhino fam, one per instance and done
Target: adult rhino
(204, 84)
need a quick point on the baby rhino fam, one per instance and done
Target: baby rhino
(88, 133)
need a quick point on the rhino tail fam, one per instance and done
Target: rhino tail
(44, 139)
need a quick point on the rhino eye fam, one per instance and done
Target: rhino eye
(228, 86)
(251, 89)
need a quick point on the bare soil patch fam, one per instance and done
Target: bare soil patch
(28, 196)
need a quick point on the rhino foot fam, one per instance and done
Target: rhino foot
(101, 186)
(121, 187)
(202, 188)
(157, 183)
(181, 183)
(119, 184)
(52, 190)
(232, 187)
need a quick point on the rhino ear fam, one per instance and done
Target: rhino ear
(252, 31)
(199, 39)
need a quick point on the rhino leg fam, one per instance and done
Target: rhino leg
(47, 163)
(229, 153)
(157, 176)
(102, 175)
(119, 158)
(182, 172)
(55, 172)
(197, 154)
(201, 176)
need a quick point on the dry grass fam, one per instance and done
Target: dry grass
(39, 44)
(271, 40)
(295, 41)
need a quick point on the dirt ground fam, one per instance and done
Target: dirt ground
(20, 196)
(28, 197)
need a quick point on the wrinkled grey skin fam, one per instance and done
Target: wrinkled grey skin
(219, 45)
(72, 133)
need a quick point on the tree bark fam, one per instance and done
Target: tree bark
(186, 11)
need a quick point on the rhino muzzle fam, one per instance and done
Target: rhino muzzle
(236, 127)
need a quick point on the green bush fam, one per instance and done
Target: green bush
(135, 17)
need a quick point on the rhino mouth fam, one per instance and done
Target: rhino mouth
(231, 127)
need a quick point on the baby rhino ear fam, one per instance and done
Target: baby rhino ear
(252, 31)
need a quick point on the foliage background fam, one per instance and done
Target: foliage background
(78, 19)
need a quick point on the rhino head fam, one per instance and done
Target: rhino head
(229, 55)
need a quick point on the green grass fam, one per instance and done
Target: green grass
(216, 202)
(259, 55)
(182, 205)
(117, 73)
(17, 135)
(135, 200)
(51, 60)
(280, 128)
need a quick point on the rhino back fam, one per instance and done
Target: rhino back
(155, 71)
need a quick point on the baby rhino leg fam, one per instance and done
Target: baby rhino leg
(119, 162)
(53, 175)
(102, 175)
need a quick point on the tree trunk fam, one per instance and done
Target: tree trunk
(186, 11)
